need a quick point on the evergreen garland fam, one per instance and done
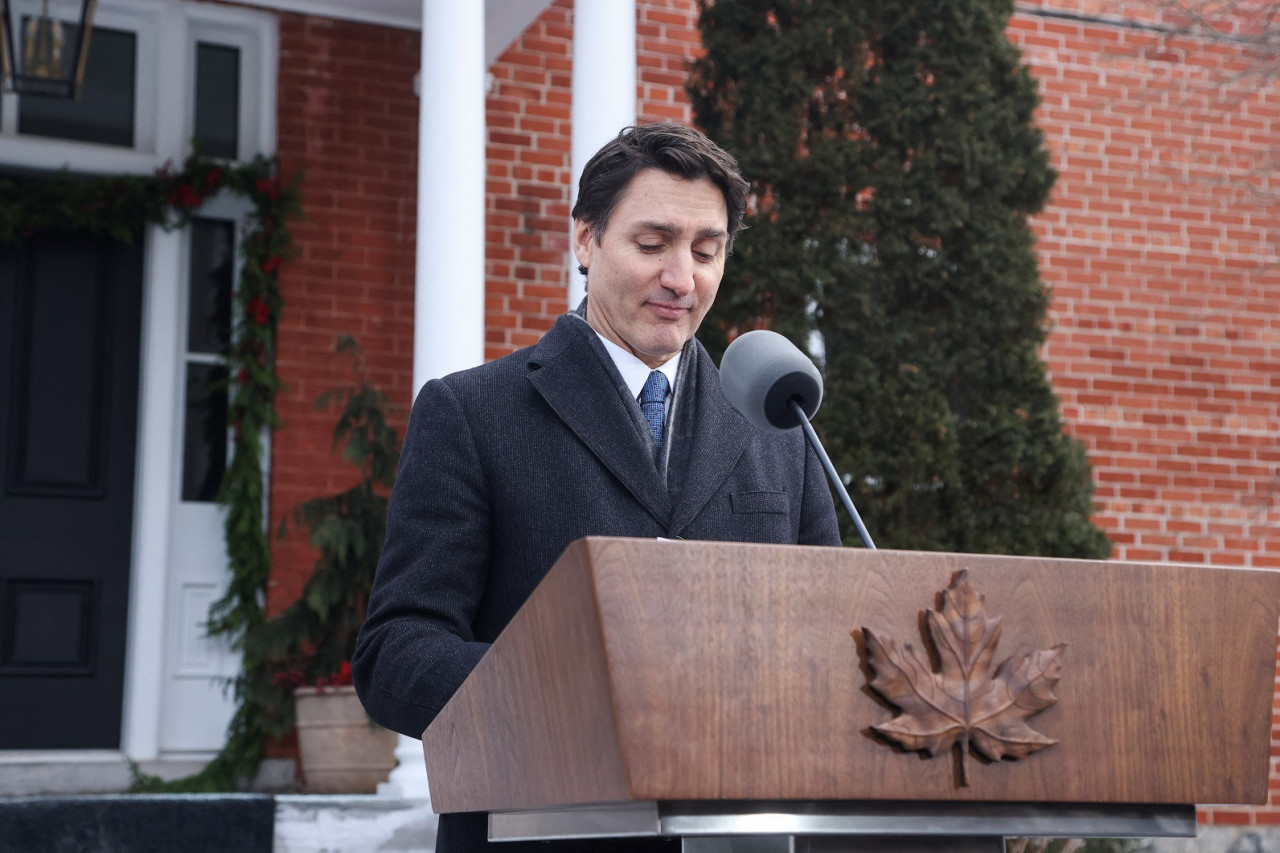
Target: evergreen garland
(894, 165)
(121, 207)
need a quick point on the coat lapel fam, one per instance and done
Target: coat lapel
(714, 437)
(568, 369)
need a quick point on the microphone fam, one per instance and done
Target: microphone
(777, 388)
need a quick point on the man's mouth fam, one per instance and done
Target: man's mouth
(668, 311)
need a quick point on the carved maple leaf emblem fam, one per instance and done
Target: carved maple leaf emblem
(966, 702)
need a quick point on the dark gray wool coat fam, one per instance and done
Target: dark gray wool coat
(506, 464)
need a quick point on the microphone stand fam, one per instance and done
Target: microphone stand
(794, 405)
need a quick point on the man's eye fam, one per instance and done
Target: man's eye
(650, 247)
(705, 256)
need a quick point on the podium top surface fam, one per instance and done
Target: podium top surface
(684, 671)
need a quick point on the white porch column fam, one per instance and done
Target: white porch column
(449, 296)
(604, 90)
(448, 313)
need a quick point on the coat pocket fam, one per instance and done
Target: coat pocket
(778, 503)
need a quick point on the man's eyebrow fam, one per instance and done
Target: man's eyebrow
(668, 228)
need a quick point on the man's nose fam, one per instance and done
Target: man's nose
(677, 273)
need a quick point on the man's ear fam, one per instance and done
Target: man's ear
(584, 242)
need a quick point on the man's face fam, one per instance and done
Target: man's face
(657, 267)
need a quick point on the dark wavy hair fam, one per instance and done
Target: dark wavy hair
(674, 148)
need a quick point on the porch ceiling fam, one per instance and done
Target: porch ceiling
(504, 20)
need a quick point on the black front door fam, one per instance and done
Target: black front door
(70, 323)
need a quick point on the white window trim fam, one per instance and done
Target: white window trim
(259, 60)
(187, 663)
(166, 33)
(146, 19)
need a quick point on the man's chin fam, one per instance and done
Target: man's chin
(664, 349)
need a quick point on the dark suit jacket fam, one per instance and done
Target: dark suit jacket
(506, 464)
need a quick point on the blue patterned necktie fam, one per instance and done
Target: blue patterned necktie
(652, 397)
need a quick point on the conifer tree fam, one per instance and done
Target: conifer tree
(894, 164)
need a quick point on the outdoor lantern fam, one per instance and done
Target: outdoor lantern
(43, 51)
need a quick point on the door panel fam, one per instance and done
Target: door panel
(70, 311)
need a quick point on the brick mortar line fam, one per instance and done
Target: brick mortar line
(1127, 24)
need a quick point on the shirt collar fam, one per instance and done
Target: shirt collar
(634, 371)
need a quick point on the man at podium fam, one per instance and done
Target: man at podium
(614, 424)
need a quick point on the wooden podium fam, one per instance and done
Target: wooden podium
(722, 692)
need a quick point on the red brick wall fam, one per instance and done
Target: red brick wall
(667, 41)
(348, 122)
(527, 213)
(1162, 260)
(1166, 348)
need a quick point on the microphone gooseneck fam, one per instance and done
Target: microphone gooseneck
(834, 477)
(777, 388)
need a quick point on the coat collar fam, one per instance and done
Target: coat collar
(572, 371)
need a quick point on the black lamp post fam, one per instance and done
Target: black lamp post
(41, 54)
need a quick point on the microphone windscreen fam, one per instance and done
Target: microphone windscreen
(761, 371)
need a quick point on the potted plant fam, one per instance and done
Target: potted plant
(341, 750)
(309, 646)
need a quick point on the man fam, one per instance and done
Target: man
(614, 424)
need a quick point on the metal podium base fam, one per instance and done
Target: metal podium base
(862, 827)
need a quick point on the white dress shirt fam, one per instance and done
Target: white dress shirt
(635, 372)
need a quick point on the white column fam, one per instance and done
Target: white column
(449, 296)
(604, 90)
(448, 313)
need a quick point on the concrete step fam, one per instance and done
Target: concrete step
(80, 772)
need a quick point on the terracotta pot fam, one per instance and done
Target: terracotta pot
(342, 750)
